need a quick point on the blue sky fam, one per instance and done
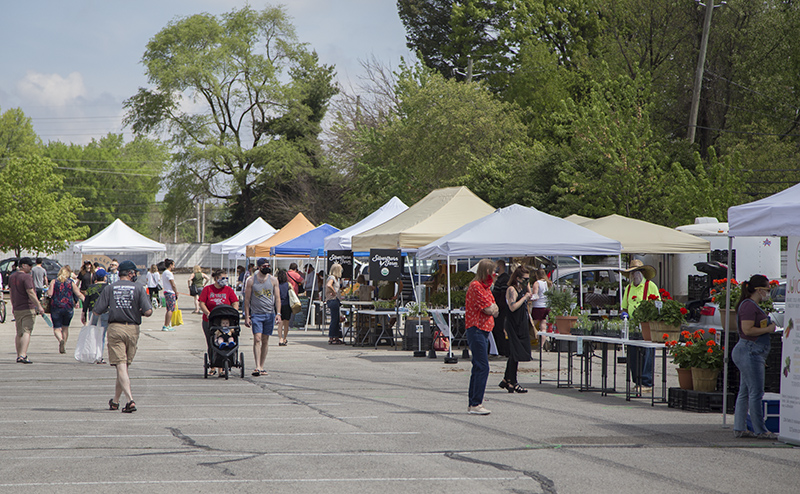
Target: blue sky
(70, 64)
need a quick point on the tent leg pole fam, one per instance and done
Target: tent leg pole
(727, 350)
(450, 359)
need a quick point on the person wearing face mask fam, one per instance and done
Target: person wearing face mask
(262, 305)
(640, 288)
(481, 310)
(217, 293)
(518, 294)
(749, 355)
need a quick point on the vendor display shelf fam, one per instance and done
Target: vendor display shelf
(697, 401)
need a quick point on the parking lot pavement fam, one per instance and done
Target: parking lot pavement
(344, 419)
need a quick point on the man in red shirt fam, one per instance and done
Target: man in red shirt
(479, 320)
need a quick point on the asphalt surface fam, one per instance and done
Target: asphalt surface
(345, 419)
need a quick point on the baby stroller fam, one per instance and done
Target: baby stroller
(228, 357)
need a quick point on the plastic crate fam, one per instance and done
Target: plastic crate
(696, 401)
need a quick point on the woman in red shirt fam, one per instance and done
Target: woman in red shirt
(479, 320)
(218, 293)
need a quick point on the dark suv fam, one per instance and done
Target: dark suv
(8, 265)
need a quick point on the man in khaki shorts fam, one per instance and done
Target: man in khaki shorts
(126, 302)
(25, 306)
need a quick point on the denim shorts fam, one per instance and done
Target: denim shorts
(61, 316)
(263, 323)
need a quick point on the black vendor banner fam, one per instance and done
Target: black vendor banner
(343, 257)
(385, 265)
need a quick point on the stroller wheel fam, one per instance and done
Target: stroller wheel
(205, 366)
(241, 357)
(227, 370)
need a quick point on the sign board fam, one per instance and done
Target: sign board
(345, 259)
(790, 357)
(104, 260)
(385, 265)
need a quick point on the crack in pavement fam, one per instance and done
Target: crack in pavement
(303, 403)
(546, 484)
(188, 441)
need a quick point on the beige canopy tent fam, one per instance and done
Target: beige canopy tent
(641, 237)
(296, 227)
(578, 219)
(434, 216)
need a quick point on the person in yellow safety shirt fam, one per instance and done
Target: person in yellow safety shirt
(640, 288)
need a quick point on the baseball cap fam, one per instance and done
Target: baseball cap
(100, 273)
(127, 266)
(26, 260)
(261, 261)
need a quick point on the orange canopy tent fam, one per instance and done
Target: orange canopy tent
(298, 226)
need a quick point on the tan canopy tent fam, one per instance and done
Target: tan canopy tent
(641, 237)
(577, 219)
(298, 226)
(434, 216)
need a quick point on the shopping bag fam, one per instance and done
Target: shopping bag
(46, 304)
(89, 348)
(177, 318)
(294, 301)
(441, 343)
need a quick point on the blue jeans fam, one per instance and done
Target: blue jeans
(750, 357)
(646, 364)
(478, 342)
(335, 329)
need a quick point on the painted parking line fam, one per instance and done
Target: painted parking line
(268, 481)
(315, 416)
(217, 405)
(200, 434)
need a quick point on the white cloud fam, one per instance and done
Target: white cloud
(51, 89)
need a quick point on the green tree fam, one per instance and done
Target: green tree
(36, 215)
(243, 101)
(17, 136)
(441, 133)
(114, 178)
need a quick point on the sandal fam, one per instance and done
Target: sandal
(24, 360)
(517, 388)
(212, 372)
(130, 407)
(505, 385)
(256, 373)
(112, 405)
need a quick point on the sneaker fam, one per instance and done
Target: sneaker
(478, 410)
(167, 328)
(62, 346)
(743, 434)
(646, 390)
(767, 435)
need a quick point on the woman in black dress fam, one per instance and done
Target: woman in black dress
(519, 338)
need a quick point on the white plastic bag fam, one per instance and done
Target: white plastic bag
(89, 348)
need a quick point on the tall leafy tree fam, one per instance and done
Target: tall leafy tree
(114, 178)
(243, 101)
(17, 136)
(36, 214)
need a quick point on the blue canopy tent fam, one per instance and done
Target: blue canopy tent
(305, 244)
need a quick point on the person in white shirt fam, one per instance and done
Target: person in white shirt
(170, 293)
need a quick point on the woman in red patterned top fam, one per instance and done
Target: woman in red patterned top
(479, 320)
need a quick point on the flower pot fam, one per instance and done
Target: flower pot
(645, 331)
(723, 315)
(685, 378)
(704, 379)
(658, 328)
(564, 323)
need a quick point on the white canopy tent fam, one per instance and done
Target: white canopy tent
(119, 237)
(515, 231)
(342, 240)
(235, 246)
(777, 215)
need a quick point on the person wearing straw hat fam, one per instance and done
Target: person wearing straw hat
(640, 288)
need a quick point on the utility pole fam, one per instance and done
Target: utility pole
(698, 73)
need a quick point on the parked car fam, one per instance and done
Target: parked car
(778, 296)
(10, 264)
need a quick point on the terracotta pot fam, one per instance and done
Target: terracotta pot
(564, 324)
(685, 378)
(704, 379)
(723, 313)
(658, 328)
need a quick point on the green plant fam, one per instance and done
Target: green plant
(457, 297)
(671, 312)
(719, 294)
(384, 304)
(584, 322)
(696, 351)
(417, 310)
(461, 280)
(562, 301)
